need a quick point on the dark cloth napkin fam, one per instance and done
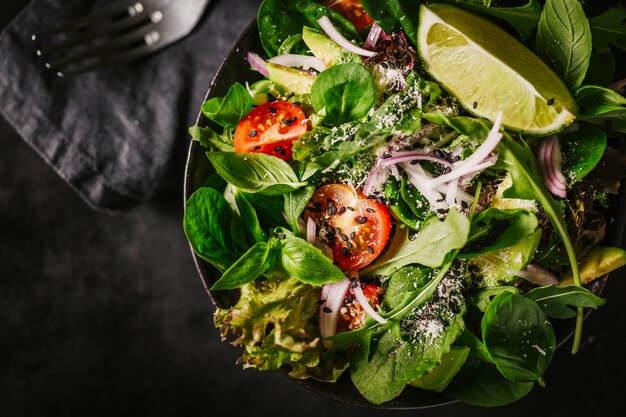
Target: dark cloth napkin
(119, 134)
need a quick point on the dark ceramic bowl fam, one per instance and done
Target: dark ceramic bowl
(234, 68)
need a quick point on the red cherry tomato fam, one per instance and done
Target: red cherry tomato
(355, 227)
(271, 129)
(351, 314)
(352, 10)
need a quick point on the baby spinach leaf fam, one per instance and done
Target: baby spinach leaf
(207, 223)
(306, 262)
(394, 15)
(556, 301)
(249, 217)
(609, 28)
(212, 140)
(430, 248)
(487, 387)
(280, 19)
(564, 40)
(483, 298)
(582, 150)
(295, 202)
(255, 172)
(227, 111)
(343, 93)
(404, 284)
(519, 337)
(494, 229)
(523, 18)
(610, 118)
(249, 267)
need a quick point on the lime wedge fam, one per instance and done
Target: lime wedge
(488, 70)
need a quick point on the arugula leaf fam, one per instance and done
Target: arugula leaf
(555, 301)
(519, 337)
(430, 248)
(212, 140)
(227, 111)
(295, 202)
(523, 18)
(582, 150)
(609, 27)
(256, 172)
(394, 15)
(343, 93)
(494, 229)
(207, 223)
(306, 262)
(564, 40)
(249, 267)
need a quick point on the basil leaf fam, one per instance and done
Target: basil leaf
(249, 217)
(556, 301)
(295, 202)
(609, 27)
(207, 223)
(343, 93)
(307, 263)
(582, 150)
(430, 248)
(593, 95)
(483, 298)
(494, 229)
(564, 40)
(519, 337)
(523, 18)
(212, 140)
(249, 267)
(610, 118)
(255, 172)
(229, 110)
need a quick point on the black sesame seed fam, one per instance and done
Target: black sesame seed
(474, 105)
(320, 302)
(354, 284)
(288, 122)
(464, 204)
(550, 101)
(350, 208)
(370, 249)
(296, 103)
(380, 200)
(361, 220)
(252, 133)
(345, 251)
(414, 162)
(289, 95)
(256, 148)
(341, 210)
(350, 245)
(352, 235)
(278, 149)
(327, 310)
(442, 211)
(272, 109)
(369, 210)
(330, 202)
(317, 204)
(343, 237)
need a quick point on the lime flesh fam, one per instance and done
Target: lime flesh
(489, 71)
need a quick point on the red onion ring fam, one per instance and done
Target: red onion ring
(357, 291)
(311, 229)
(332, 32)
(257, 63)
(399, 157)
(329, 309)
(304, 61)
(372, 37)
(535, 275)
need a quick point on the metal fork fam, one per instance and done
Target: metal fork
(120, 32)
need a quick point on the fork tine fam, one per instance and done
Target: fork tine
(112, 29)
(132, 8)
(141, 51)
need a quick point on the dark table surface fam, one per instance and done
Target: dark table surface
(104, 315)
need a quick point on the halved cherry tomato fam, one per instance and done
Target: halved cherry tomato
(352, 10)
(351, 315)
(271, 129)
(355, 227)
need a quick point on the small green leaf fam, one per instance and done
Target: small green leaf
(609, 28)
(523, 18)
(249, 217)
(394, 15)
(307, 263)
(249, 267)
(564, 40)
(556, 302)
(610, 118)
(345, 92)
(593, 95)
(212, 140)
(227, 111)
(295, 202)
(582, 150)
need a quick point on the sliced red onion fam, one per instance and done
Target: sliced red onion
(303, 61)
(375, 178)
(257, 63)
(485, 149)
(535, 275)
(399, 157)
(419, 178)
(357, 291)
(329, 308)
(549, 162)
(372, 37)
(311, 229)
(334, 34)
(460, 172)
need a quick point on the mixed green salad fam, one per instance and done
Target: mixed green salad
(413, 191)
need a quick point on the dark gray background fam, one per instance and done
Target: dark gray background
(104, 315)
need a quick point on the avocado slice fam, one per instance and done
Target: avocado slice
(321, 46)
(289, 79)
(439, 378)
